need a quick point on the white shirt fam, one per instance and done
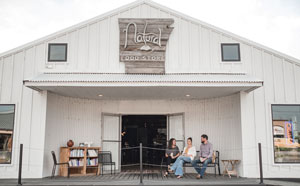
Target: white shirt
(191, 151)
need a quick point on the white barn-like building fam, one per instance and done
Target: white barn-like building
(210, 81)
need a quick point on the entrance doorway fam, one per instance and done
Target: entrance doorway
(119, 131)
(151, 131)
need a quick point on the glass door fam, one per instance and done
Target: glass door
(111, 132)
(176, 129)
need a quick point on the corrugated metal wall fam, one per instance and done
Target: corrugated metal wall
(80, 120)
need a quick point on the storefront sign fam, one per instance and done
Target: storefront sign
(143, 44)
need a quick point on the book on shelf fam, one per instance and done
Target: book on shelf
(77, 153)
(92, 152)
(75, 163)
(92, 162)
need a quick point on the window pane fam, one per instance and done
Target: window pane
(57, 52)
(7, 114)
(230, 52)
(286, 133)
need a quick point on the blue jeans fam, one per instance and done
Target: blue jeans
(177, 166)
(198, 169)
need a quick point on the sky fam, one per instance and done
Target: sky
(273, 23)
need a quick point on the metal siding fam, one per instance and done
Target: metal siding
(297, 84)
(278, 79)
(289, 82)
(93, 42)
(83, 49)
(8, 65)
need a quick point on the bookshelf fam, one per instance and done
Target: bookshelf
(82, 160)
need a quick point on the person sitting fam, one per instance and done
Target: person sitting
(188, 155)
(205, 153)
(172, 153)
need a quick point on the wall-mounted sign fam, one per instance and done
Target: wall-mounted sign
(143, 44)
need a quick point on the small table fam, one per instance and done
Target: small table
(233, 171)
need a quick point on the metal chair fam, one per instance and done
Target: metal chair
(55, 163)
(104, 158)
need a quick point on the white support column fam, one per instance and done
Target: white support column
(249, 146)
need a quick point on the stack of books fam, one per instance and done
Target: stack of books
(92, 153)
(75, 163)
(93, 161)
(77, 153)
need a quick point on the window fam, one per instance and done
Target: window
(57, 52)
(230, 52)
(286, 133)
(7, 115)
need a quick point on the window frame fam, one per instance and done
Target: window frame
(12, 136)
(231, 60)
(280, 163)
(66, 52)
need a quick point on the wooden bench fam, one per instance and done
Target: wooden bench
(214, 163)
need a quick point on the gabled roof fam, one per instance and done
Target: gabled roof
(154, 5)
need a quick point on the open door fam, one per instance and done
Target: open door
(176, 129)
(111, 132)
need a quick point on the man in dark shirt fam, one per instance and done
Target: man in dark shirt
(206, 152)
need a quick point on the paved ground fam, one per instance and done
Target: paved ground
(150, 178)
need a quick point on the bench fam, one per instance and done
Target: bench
(214, 163)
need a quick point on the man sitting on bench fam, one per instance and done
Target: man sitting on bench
(205, 153)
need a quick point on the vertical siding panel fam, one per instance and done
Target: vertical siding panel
(184, 46)
(93, 46)
(135, 12)
(154, 12)
(259, 102)
(1, 74)
(215, 59)
(172, 62)
(114, 44)
(40, 58)
(25, 125)
(144, 11)
(38, 116)
(17, 98)
(247, 57)
(289, 84)
(103, 51)
(7, 77)
(194, 48)
(18, 77)
(278, 79)
(205, 46)
(82, 49)
(297, 77)
(268, 77)
(73, 50)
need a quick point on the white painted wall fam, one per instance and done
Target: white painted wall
(281, 86)
(30, 115)
(80, 120)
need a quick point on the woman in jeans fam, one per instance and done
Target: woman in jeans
(188, 155)
(171, 154)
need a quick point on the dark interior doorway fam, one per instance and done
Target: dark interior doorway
(151, 131)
